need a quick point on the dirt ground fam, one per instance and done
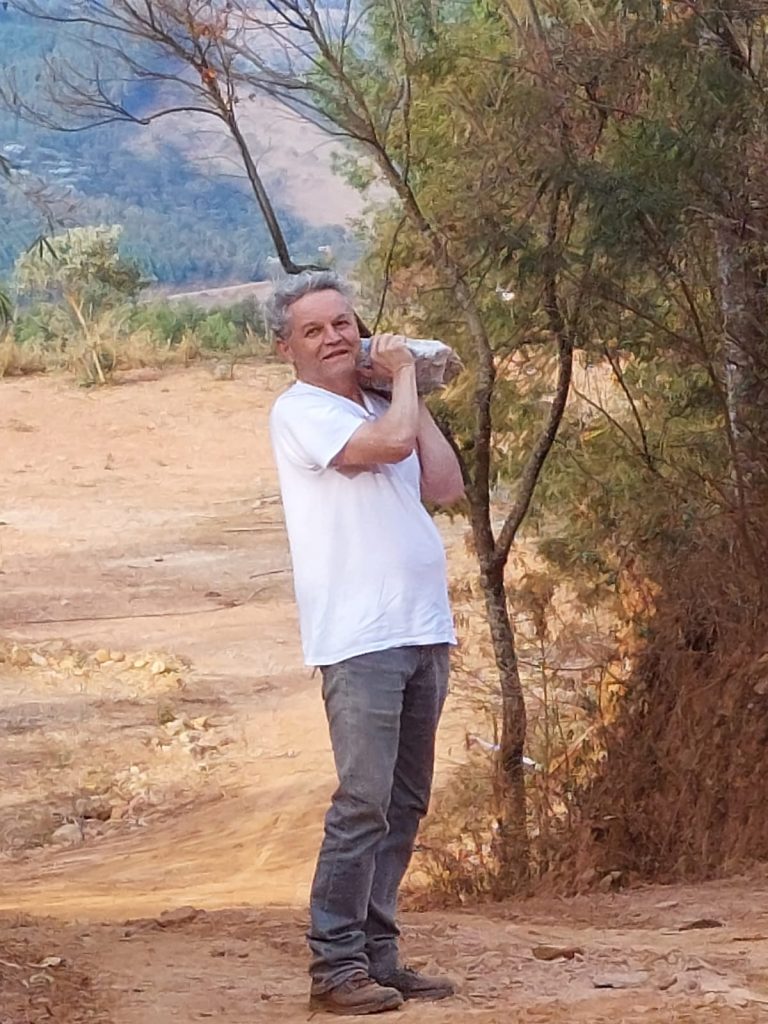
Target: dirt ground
(164, 764)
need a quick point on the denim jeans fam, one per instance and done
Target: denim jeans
(383, 709)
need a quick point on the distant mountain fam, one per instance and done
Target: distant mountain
(176, 187)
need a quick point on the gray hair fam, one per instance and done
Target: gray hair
(278, 308)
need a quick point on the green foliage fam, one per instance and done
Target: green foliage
(46, 324)
(83, 266)
(217, 330)
(49, 326)
(649, 138)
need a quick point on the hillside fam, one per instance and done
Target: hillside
(188, 213)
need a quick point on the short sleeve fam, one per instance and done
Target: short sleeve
(311, 430)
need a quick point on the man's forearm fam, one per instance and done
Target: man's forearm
(401, 422)
(441, 479)
(392, 437)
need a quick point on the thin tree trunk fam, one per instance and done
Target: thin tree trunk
(745, 356)
(264, 201)
(77, 310)
(744, 349)
(514, 846)
(742, 292)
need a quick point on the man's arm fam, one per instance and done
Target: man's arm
(393, 436)
(441, 479)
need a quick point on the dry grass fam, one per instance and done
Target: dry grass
(19, 360)
(648, 723)
(679, 790)
(569, 662)
(115, 350)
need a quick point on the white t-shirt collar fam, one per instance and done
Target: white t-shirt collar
(367, 410)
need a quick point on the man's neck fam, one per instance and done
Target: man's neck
(346, 389)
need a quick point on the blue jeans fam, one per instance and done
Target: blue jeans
(383, 709)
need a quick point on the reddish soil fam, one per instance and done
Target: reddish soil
(155, 708)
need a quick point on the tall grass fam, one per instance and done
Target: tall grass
(44, 338)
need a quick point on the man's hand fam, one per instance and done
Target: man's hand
(392, 437)
(389, 355)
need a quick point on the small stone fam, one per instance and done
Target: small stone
(667, 904)
(557, 952)
(181, 915)
(116, 656)
(50, 961)
(611, 881)
(702, 922)
(224, 371)
(209, 743)
(665, 981)
(101, 656)
(175, 727)
(20, 657)
(140, 662)
(38, 659)
(67, 834)
(96, 808)
(157, 668)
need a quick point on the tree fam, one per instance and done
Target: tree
(84, 268)
(317, 61)
(417, 89)
(5, 303)
(175, 49)
(576, 160)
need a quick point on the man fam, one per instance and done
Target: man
(369, 576)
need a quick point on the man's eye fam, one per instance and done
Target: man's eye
(312, 332)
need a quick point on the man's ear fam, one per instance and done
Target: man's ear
(284, 350)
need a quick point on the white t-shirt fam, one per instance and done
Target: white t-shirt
(368, 562)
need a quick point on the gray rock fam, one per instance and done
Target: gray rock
(67, 835)
(181, 915)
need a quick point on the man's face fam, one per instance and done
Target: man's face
(322, 340)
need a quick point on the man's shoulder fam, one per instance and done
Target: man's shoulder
(303, 394)
(303, 400)
(286, 396)
(295, 396)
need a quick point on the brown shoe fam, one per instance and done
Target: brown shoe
(413, 985)
(355, 997)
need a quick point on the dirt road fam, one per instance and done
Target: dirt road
(162, 747)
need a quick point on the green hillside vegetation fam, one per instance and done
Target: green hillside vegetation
(183, 223)
(77, 310)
